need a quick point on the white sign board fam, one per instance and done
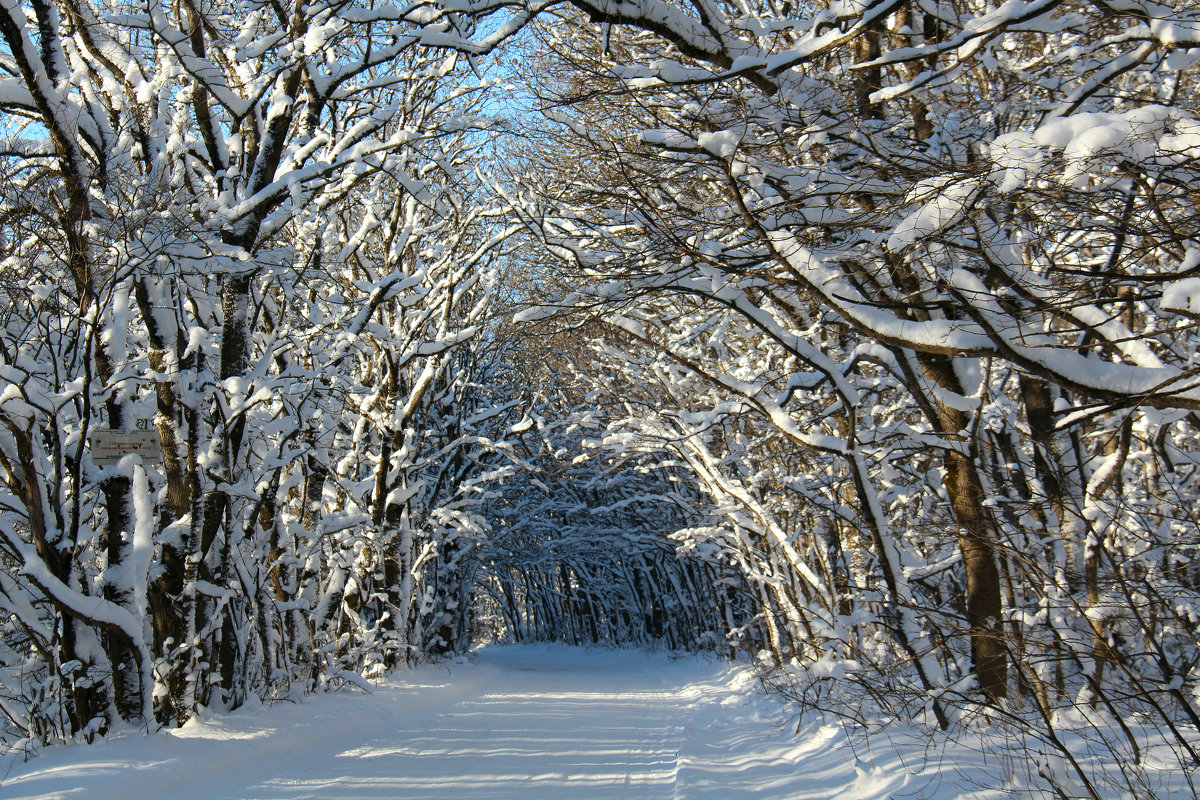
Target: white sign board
(108, 446)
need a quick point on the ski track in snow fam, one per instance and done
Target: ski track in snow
(510, 722)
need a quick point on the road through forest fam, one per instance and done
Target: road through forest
(528, 723)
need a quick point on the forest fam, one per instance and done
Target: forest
(855, 337)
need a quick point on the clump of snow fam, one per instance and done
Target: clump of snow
(1183, 296)
(1138, 135)
(720, 143)
(945, 200)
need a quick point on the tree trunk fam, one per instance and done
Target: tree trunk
(984, 604)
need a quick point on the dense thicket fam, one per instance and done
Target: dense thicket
(258, 234)
(583, 544)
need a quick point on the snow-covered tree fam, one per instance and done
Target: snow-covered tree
(236, 228)
(947, 251)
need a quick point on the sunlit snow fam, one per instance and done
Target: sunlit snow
(509, 722)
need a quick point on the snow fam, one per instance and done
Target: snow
(1176, 31)
(1137, 134)
(720, 143)
(945, 200)
(1183, 296)
(523, 722)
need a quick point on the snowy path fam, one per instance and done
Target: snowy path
(515, 722)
